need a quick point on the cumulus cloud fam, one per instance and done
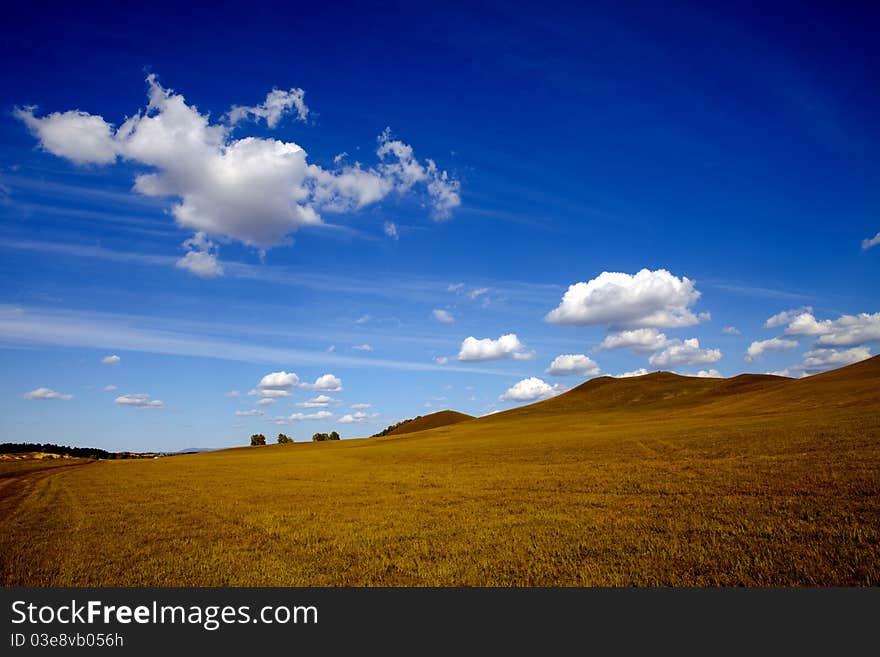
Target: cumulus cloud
(757, 348)
(249, 413)
(820, 360)
(325, 383)
(507, 346)
(351, 418)
(530, 389)
(254, 190)
(568, 364)
(845, 331)
(279, 381)
(46, 393)
(625, 375)
(784, 317)
(138, 400)
(201, 257)
(687, 352)
(111, 360)
(321, 401)
(867, 243)
(278, 103)
(443, 316)
(642, 340)
(391, 230)
(730, 330)
(299, 417)
(647, 299)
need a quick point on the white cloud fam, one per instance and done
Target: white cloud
(268, 392)
(266, 401)
(845, 331)
(730, 330)
(110, 388)
(869, 242)
(201, 257)
(820, 360)
(138, 400)
(320, 415)
(254, 190)
(687, 352)
(362, 347)
(77, 136)
(757, 348)
(321, 401)
(507, 346)
(567, 364)
(708, 374)
(478, 292)
(249, 413)
(644, 300)
(354, 417)
(111, 360)
(325, 383)
(784, 317)
(443, 316)
(625, 375)
(279, 381)
(46, 393)
(361, 407)
(530, 389)
(441, 360)
(277, 104)
(391, 230)
(642, 340)
(232, 394)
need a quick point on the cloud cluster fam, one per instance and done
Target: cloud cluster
(279, 384)
(531, 389)
(757, 348)
(647, 299)
(356, 418)
(201, 257)
(845, 331)
(254, 190)
(684, 352)
(138, 400)
(568, 364)
(506, 346)
(46, 393)
(643, 340)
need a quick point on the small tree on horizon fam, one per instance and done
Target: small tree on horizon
(333, 436)
(282, 439)
(258, 439)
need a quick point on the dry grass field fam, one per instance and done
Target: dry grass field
(651, 481)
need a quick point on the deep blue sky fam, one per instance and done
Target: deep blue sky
(733, 146)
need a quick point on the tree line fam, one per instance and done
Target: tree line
(260, 439)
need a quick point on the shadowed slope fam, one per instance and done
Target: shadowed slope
(432, 421)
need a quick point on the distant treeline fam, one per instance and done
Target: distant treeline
(78, 452)
(391, 428)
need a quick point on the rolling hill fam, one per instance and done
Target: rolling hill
(431, 421)
(658, 480)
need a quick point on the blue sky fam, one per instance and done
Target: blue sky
(563, 192)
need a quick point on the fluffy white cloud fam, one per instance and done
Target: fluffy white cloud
(867, 243)
(443, 316)
(77, 136)
(757, 348)
(646, 299)
(254, 190)
(625, 375)
(362, 347)
(351, 418)
(325, 383)
(530, 389)
(784, 317)
(730, 330)
(320, 415)
(111, 360)
(642, 340)
(567, 364)
(820, 360)
(249, 413)
(391, 229)
(687, 352)
(46, 393)
(507, 346)
(201, 257)
(321, 401)
(138, 400)
(845, 331)
(278, 103)
(279, 381)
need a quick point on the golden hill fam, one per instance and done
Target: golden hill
(653, 481)
(431, 421)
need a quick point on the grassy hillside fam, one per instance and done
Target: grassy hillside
(432, 421)
(655, 480)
